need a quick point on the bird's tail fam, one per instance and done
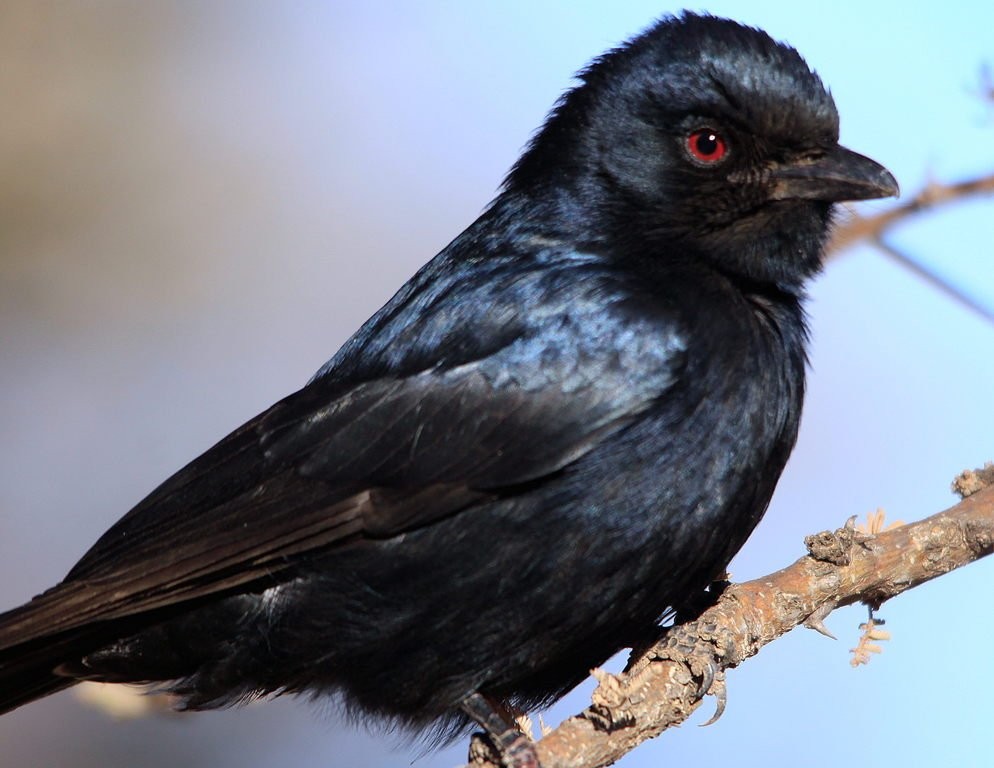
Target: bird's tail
(31, 653)
(20, 685)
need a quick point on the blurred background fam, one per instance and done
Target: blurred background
(200, 202)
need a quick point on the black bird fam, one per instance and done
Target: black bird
(562, 426)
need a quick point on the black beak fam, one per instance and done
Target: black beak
(839, 174)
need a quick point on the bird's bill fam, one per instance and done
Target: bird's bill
(838, 175)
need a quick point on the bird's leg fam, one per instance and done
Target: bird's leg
(698, 602)
(515, 749)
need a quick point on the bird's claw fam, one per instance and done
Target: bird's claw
(712, 681)
(697, 656)
(719, 690)
(708, 676)
(501, 741)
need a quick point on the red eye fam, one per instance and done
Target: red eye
(706, 146)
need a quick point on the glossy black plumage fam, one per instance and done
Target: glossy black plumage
(563, 425)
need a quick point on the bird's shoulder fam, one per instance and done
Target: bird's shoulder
(486, 372)
(517, 302)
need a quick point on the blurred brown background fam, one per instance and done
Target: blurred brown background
(172, 260)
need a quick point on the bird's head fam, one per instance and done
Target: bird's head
(706, 138)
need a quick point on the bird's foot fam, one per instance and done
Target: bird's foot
(502, 738)
(698, 656)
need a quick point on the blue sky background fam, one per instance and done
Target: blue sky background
(199, 203)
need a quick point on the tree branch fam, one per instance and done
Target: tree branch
(661, 687)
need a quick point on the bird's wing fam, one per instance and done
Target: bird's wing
(331, 465)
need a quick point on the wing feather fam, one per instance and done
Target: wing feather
(371, 453)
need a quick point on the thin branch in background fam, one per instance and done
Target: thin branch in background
(874, 229)
(934, 279)
(933, 195)
(986, 83)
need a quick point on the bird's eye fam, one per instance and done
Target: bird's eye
(707, 146)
